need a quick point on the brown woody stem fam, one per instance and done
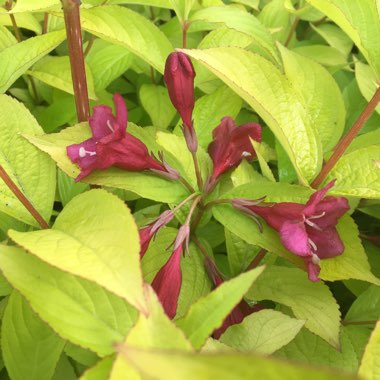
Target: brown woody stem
(197, 171)
(75, 44)
(347, 139)
(185, 27)
(22, 198)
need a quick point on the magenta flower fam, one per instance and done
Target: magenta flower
(309, 230)
(148, 232)
(231, 144)
(112, 145)
(168, 281)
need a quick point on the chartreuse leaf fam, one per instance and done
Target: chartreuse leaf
(30, 169)
(154, 330)
(56, 72)
(265, 169)
(366, 307)
(240, 20)
(360, 20)
(321, 95)
(152, 3)
(353, 262)
(146, 185)
(264, 332)
(209, 312)
(64, 370)
(23, 20)
(68, 189)
(195, 281)
(310, 349)
(210, 109)
(6, 38)
(78, 310)
(182, 8)
(16, 59)
(100, 371)
(169, 365)
(30, 348)
(367, 81)
(268, 91)
(157, 104)
(96, 238)
(370, 365)
(311, 302)
(137, 34)
(107, 62)
(35, 6)
(358, 173)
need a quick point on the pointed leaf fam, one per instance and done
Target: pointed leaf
(16, 59)
(268, 92)
(209, 312)
(94, 237)
(79, 311)
(124, 27)
(370, 365)
(264, 332)
(360, 20)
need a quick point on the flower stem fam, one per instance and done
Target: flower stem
(22, 198)
(192, 209)
(189, 198)
(8, 7)
(347, 139)
(75, 45)
(187, 184)
(197, 171)
(185, 28)
(257, 260)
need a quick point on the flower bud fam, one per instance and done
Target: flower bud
(179, 77)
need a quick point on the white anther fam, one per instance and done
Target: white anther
(83, 152)
(109, 125)
(246, 154)
(313, 245)
(315, 259)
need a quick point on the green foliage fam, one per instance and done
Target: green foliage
(75, 299)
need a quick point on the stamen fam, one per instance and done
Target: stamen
(311, 224)
(83, 152)
(313, 245)
(318, 216)
(246, 154)
(315, 259)
(109, 125)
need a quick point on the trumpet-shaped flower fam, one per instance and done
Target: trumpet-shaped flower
(309, 230)
(231, 145)
(112, 145)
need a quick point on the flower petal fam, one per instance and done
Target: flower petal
(327, 241)
(316, 198)
(313, 270)
(294, 238)
(101, 122)
(168, 281)
(121, 111)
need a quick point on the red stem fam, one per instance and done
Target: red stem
(22, 198)
(74, 40)
(257, 260)
(347, 139)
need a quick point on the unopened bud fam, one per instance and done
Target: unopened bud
(179, 78)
